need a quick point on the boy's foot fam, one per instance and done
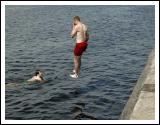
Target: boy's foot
(73, 71)
(74, 75)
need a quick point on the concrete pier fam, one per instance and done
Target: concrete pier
(141, 104)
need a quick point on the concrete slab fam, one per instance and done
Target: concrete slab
(141, 104)
(144, 108)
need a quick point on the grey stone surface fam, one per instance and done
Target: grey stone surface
(144, 108)
(141, 104)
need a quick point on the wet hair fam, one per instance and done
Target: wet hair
(37, 72)
(76, 18)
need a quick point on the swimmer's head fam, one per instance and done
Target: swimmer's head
(38, 77)
(38, 73)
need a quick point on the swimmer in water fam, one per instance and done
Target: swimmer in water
(38, 77)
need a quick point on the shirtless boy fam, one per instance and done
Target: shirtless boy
(80, 31)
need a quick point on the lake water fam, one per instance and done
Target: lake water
(38, 37)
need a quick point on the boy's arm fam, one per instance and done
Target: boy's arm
(87, 36)
(74, 31)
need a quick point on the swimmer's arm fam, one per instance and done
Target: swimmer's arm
(74, 31)
(42, 78)
(31, 80)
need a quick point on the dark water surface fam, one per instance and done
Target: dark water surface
(38, 37)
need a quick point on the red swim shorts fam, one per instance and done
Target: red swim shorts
(80, 48)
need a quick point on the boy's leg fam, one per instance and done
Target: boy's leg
(77, 64)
